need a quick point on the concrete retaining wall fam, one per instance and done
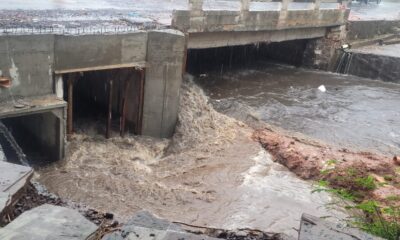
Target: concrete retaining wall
(74, 53)
(32, 61)
(28, 61)
(374, 66)
(369, 29)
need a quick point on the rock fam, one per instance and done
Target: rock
(241, 234)
(147, 220)
(145, 226)
(108, 215)
(396, 160)
(49, 222)
(313, 228)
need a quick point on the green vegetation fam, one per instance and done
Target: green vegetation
(354, 184)
(380, 221)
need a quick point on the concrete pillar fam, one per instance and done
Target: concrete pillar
(283, 13)
(345, 4)
(245, 5)
(196, 14)
(58, 87)
(317, 4)
(196, 5)
(60, 130)
(285, 5)
(165, 56)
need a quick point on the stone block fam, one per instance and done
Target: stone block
(49, 222)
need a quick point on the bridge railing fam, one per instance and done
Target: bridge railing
(289, 14)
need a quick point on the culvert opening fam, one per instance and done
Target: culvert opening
(110, 100)
(238, 57)
(38, 136)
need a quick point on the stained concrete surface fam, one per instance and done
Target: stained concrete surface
(48, 222)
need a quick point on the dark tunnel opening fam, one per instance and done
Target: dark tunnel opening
(109, 100)
(240, 57)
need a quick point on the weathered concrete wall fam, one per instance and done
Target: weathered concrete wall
(320, 53)
(165, 54)
(31, 62)
(222, 39)
(28, 62)
(44, 131)
(217, 21)
(357, 30)
(374, 66)
(85, 52)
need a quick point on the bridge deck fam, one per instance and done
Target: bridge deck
(111, 15)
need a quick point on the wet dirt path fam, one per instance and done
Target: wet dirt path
(212, 173)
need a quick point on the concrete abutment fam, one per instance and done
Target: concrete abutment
(38, 65)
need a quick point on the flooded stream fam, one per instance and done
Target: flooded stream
(212, 173)
(355, 113)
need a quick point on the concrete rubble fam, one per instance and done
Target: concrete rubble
(145, 226)
(13, 179)
(49, 222)
(312, 228)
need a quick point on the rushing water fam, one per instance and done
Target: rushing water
(354, 112)
(210, 174)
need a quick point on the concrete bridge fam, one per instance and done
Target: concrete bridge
(271, 22)
(136, 75)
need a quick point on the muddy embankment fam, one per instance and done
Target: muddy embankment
(355, 116)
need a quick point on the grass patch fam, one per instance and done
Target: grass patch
(355, 184)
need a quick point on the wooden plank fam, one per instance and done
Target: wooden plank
(109, 109)
(107, 67)
(70, 126)
(124, 106)
(139, 124)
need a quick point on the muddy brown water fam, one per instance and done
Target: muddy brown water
(355, 113)
(210, 174)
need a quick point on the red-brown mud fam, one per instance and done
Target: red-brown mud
(308, 159)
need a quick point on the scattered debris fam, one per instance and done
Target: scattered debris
(322, 88)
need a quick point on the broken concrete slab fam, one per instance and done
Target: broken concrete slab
(145, 226)
(12, 175)
(4, 200)
(147, 220)
(2, 155)
(49, 222)
(13, 180)
(313, 228)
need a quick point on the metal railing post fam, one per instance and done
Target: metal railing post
(245, 5)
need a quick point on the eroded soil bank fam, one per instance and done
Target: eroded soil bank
(212, 173)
